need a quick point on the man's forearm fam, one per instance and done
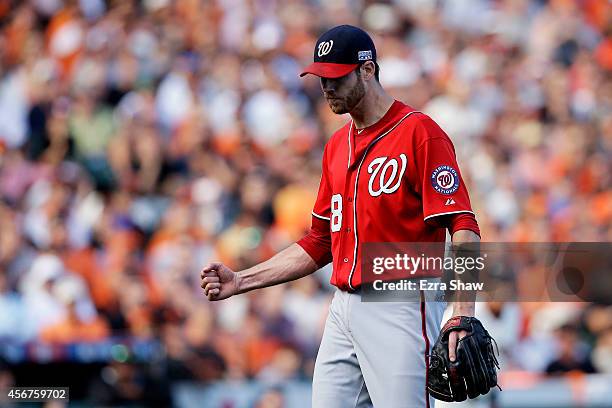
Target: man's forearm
(464, 303)
(289, 264)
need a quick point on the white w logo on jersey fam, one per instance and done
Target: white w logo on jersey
(387, 183)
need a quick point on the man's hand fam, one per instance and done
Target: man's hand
(453, 339)
(474, 369)
(219, 282)
(459, 309)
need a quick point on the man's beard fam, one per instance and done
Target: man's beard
(353, 98)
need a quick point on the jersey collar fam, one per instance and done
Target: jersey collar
(359, 139)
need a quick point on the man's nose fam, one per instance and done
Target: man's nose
(327, 85)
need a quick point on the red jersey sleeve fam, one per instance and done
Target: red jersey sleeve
(322, 206)
(317, 243)
(442, 189)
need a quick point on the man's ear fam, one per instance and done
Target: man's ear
(368, 69)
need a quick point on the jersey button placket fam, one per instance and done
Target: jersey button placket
(348, 229)
(348, 194)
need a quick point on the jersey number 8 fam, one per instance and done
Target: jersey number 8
(336, 212)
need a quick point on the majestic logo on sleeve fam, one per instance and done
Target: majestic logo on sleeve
(325, 47)
(445, 180)
(384, 175)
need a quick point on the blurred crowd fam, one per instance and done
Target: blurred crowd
(141, 139)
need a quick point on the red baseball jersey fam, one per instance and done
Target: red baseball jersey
(384, 183)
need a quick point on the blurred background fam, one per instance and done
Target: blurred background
(141, 139)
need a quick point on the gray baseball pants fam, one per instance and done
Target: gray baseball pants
(374, 353)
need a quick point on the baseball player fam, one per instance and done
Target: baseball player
(389, 175)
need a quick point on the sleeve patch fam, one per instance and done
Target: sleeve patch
(445, 180)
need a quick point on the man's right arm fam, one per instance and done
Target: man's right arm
(219, 282)
(298, 260)
(310, 253)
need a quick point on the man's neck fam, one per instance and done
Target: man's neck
(371, 108)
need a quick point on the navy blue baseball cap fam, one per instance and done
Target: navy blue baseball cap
(339, 51)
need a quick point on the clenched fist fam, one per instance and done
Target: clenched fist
(218, 281)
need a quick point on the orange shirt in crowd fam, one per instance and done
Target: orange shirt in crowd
(73, 330)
